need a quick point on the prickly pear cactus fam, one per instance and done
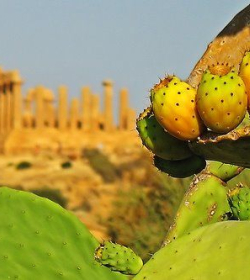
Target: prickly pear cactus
(159, 141)
(200, 243)
(204, 203)
(232, 148)
(41, 240)
(118, 258)
(222, 170)
(239, 200)
(217, 251)
(180, 168)
(173, 103)
(244, 73)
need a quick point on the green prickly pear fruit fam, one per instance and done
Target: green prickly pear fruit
(118, 258)
(204, 203)
(180, 168)
(244, 73)
(215, 252)
(239, 200)
(221, 99)
(222, 170)
(41, 240)
(173, 103)
(158, 141)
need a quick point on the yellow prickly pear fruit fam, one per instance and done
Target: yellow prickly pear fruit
(221, 98)
(174, 107)
(244, 73)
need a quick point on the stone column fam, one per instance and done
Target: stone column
(51, 115)
(27, 115)
(108, 105)
(39, 99)
(4, 107)
(49, 108)
(86, 110)
(123, 109)
(5, 102)
(46, 103)
(63, 108)
(95, 112)
(17, 99)
(9, 101)
(131, 119)
(74, 113)
(27, 102)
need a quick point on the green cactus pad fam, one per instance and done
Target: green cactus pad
(180, 168)
(204, 203)
(40, 240)
(222, 170)
(158, 141)
(232, 148)
(239, 200)
(118, 258)
(218, 251)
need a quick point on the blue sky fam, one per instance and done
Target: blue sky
(132, 42)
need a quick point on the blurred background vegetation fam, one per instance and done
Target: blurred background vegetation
(144, 209)
(130, 201)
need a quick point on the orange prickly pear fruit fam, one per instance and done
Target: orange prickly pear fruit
(174, 107)
(221, 98)
(244, 73)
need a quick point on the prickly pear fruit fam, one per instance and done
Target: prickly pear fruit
(174, 107)
(218, 251)
(244, 73)
(118, 258)
(222, 170)
(239, 200)
(158, 141)
(41, 240)
(180, 168)
(204, 203)
(221, 99)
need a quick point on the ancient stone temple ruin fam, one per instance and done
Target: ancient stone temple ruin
(41, 120)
